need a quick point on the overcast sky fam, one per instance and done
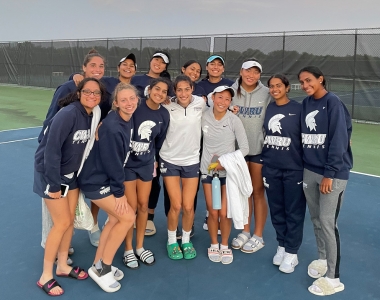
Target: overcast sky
(72, 19)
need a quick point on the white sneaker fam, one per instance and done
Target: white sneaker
(205, 226)
(279, 257)
(289, 262)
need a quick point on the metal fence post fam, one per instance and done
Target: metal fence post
(354, 77)
(51, 64)
(283, 53)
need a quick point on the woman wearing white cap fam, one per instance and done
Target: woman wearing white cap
(221, 129)
(251, 101)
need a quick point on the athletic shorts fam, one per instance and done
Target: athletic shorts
(41, 187)
(168, 169)
(208, 179)
(98, 194)
(144, 173)
(254, 158)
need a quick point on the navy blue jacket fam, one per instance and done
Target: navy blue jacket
(149, 134)
(282, 144)
(198, 90)
(326, 132)
(105, 164)
(61, 149)
(209, 87)
(61, 92)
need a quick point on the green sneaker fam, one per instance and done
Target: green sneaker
(189, 251)
(174, 251)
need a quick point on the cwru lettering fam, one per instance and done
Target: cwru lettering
(313, 139)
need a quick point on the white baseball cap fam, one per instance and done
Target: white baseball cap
(251, 63)
(222, 88)
(163, 56)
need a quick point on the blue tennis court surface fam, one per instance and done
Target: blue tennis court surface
(250, 276)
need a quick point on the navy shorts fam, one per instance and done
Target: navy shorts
(41, 187)
(144, 173)
(168, 169)
(208, 179)
(254, 158)
(98, 194)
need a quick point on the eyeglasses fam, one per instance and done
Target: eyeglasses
(88, 93)
(278, 85)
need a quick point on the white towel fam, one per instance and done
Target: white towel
(238, 186)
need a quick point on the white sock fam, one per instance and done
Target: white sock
(172, 237)
(215, 246)
(185, 236)
(223, 247)
(95, 228)
(139, 251)
(128, 252)
(334, 282)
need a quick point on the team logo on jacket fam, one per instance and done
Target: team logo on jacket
(145, 129)
(274, 123)
(265, 183)
(81, 136)
(313, 140)
(250, 111)
(310, 121)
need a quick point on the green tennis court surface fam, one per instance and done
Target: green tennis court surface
(26, 107)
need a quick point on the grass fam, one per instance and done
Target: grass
(27, 107)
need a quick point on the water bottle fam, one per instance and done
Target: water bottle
(216, 197)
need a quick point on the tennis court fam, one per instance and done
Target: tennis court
(250, 276)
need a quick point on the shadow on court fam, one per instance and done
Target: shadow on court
(250, 276)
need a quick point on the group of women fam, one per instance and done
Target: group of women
(152, 127)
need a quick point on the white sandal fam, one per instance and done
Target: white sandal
(226, 256)
(106, 282)
(252, 245)
(214, 254)
(325, 287)
(239, 241)
(318, 266)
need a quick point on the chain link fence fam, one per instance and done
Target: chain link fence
(350, 59)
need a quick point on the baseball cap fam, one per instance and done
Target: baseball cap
(251, 63)
(222, 88)
(130, 56)
(163, 56)
(213, 57)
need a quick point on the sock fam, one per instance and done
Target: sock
(102, 268)
(206, 213)
(185, 236)
(258, 238)
(95, 228)
(128, 252)
(150, 216)
(172, 237)
(139, 251)
(215, 246)
(247, 234)
(334, 282)
(223, 247)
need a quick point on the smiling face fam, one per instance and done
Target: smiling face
(193, 71)
(183, 92)
(250, 77)
(127, 69)
(215, 68)
(311, 85)
(277, 89)
(126, 100)
(222, 101)
(158, 93)
(94, 68)
(90, 96)
(157, 65)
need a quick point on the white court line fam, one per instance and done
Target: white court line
(365, 174)
(15, 141)
(20, 128)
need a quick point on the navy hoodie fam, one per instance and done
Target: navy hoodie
(61, 92)
(209, 87)
(61, 149)
(282, 144)
(149, 134)
(105, 164)
(326, 132)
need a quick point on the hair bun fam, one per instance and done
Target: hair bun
(92, 51)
